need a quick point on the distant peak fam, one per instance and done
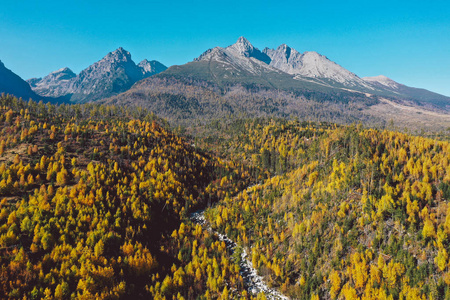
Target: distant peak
(120, 49)
(243, 46)
(119, 54)
(62, 70)
(242, 40)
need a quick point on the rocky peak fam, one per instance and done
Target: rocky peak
(151, 67)
(114, 73)
(244, 48)
(285, 58)
(119, 54)
(54, 84)
(210, 53)
(62, 74)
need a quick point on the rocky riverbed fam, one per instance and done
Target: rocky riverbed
(253, 282)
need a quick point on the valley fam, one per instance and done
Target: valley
(95, 207)
(242, 174)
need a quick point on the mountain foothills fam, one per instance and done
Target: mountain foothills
(190, 182)
(347, 213)
(95, 203)
(242, 80)
(113, 74)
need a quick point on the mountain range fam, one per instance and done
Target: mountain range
(223, 81)
(240, 80)
(113, 74)
(286, 68)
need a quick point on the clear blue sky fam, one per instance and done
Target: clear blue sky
(408, 41)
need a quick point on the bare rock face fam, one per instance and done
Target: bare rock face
(306, 67)
(285, 58)
(54, 84)
(113, 74)
(149, 68)
(238, 59)
(244, 48)
(313, 65)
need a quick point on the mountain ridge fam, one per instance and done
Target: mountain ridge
(239, 64)
(116, 72)
(11, 83)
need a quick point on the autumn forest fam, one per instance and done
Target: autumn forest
(96, 202)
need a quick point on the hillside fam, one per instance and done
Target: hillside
(96, 201)
(347, 213)
(11, 83)
(89, 199)
(187, 101)
(417, 95)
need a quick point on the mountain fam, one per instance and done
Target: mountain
(54, 84)
(419, 95)
(11, 83)
(149, 68)
(314, 65)
(242, 81)
(243, 48)
(231, 81)
(241, 64)
(113, 74)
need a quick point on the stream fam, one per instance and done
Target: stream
(253, 282)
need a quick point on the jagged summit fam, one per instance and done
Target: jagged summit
(119, 53)
(313, 65)
(116, 72)
(284, 58)
(64, 70)
(54, 84)
(243, 47)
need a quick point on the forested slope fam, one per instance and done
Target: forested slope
(349, 214)
(93, 204)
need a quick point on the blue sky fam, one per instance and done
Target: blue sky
(408, 41)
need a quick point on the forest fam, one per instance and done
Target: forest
(95, 203)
